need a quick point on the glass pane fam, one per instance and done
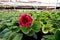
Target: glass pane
(4, 0)
(22, 0)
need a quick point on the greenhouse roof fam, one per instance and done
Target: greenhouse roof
(30, 2)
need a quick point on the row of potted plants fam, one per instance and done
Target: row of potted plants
(16, 25)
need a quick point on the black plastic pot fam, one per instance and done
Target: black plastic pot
(37, 36)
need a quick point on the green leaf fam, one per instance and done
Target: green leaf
(16, 28)
(53, 30)
(31, 33)
(14, 21)
(57, 35)
(36, 26)
(3, 32)
(12, 35)
(46, 28)
(58, 17)
(34, 16)
(48, 37)
(6, 35)
(25, 29)
(18, 37)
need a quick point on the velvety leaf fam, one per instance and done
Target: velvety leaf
(6, 35)
(25, 30)
(48, 37)
(57, 35)
(12, 35)
(18, 37)
(16, 28)
(46, 28)
(31, 33)
(3, 32)
(36, 26)
(34, 16)
(14, 21)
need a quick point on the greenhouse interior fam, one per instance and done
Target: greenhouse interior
(29, 19)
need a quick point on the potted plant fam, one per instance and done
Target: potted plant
(30, 25)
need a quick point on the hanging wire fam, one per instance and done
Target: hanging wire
(48, 5)
(14, 5)
(35, 6)
(56, 4)
(4, 6)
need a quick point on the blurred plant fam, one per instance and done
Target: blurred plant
(13, 25)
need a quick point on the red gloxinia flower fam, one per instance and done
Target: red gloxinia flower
(25, 20)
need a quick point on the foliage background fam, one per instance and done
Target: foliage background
(47, 21)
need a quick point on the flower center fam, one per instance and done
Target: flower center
(25, 20)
